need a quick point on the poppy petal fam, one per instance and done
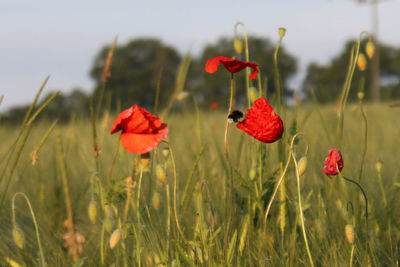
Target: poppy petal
(123, 115)
(262, 122)
(231, 64)
(142, 143)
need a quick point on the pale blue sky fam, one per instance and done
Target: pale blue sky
(38, 38)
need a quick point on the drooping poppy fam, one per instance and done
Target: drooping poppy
(141, 131)
(262, 123)
(231, 64)
(334, 158)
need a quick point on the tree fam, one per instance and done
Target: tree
(327, 80)
(215, 87)
(135, 70)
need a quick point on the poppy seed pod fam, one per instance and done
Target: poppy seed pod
(370, 49)
(18, 237)
(252, 173)
(156, 201)
(361, 62)
(115, 238)
(360, 95)
(238, 45)
(349, 231)
(302, 166)
(253, 94)
(378, 166)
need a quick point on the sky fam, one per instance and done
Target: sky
(61, 39)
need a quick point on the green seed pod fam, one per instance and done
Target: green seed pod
(349, 231)
(92, 211)
(115, 238)
(161, 175)
(238, 45)
(302, 165)
(108, 224)
(18, 237)
(370, 49)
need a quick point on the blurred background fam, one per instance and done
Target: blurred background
(70, 42)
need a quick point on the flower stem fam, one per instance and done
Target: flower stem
(42, 260)
(232, 90)
(301, 211)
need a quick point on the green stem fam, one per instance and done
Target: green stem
(42, 260)
(301, 211)
(246, 50)
(138, 216)
(232, 90)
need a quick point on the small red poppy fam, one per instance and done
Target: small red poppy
(214, 105)
(262, 122)
(334, 157)
(141, 131)
(231, 64)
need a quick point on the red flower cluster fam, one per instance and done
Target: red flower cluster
(232, 65)
(334, 158)
(262, 122)
(141, 131)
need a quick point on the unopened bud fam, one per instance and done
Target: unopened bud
(360, 95)
(182, 95)
(361, 62)
(370, 49)
(165, 151)
(92, 211)
(378, 166)
(18, 237)
(302, 165)
(156, 201)
(349, 231)
(238, 45)
(253, 94)
(282, 32)
(108, 224)
(115, 238)
(161, 175)
(252, 173)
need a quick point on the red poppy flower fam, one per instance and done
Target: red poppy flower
(141, 131)
(335, 157)
(214, 105)
(232, 65)
(262, 122)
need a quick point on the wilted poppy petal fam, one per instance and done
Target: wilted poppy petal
(232, 65)
(142, 143)
(334, 158)
(262, 122)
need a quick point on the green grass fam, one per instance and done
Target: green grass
(204, 213)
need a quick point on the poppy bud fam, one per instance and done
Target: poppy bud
(165, 152)
(360, 95)
(282, 32)
(370, 49)
(378, 166)
(161, 175)
(238, 45)
(252, 173)
(302, 165)
(182, 95)
(115, 238)
(334, 159)
(361, 62)
(349, 231)
(108, 224)
(253, 94)
(156, 201)
(18, 237)
(92, 211)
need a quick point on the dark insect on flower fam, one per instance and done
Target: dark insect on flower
(235, 116)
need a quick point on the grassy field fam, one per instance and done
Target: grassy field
(185, 223)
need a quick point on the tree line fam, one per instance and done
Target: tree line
(141, 65)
